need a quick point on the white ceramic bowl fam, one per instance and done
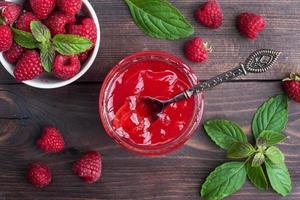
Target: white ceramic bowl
(48, 81)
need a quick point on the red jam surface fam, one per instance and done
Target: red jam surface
(131, 117)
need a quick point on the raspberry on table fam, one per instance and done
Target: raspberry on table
(39, 175)
(210, 14)
(51, 140)
(196, 50)
(291, 86)
(250, 24)
(89, 167)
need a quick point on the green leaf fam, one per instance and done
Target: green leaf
(40, 32)
(257, 177)
(224, 180)
(279, 177)
(159, 19)
(275, 155)
(24, 39)
(224, 133)
(240, 150)
(258, 159)
(272, 115)
(67, 44)
(272, 137)
(47, 56)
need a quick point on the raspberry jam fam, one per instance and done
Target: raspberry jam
(130, 121)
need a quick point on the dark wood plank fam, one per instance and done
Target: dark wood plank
(120, 37)
(178, 175)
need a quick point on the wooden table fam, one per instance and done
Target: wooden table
(74, 109)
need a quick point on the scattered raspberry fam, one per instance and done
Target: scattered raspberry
(71, 7)
(10, 11)
(89, 167)
(250, 24)
(86, 28)
(51, 141)
(6, 38)
(210, 14)
(42, 8)
(196, 50)
(14, 53)
(57, 22)
(291, 86)
(29, 66)
(65, 67)
(39, 175)
(24, 21)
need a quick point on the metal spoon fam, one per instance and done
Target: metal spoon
(258, 62)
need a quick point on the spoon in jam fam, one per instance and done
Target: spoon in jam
(258, 62)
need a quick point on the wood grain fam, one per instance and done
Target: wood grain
(125, 175)
(177, 176)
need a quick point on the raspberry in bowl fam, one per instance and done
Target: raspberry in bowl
(128, 120)
(61, 66)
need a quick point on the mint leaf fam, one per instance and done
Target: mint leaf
(224, 180)
(272, 137)
(272, 115)
(67, 44)
(40, 32)
(257, 177)
(224, 133)
(159, 19)
(275, 155)
(279, 177)
(24, 39)
(240, 150)
(47, 56)
(258, 159)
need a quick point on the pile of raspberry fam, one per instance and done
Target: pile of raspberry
(61, 17)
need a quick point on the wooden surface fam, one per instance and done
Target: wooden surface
(177, 176)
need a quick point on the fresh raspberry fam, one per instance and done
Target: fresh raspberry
(89, 167)
(210, 14)
(250, 24)
(86, 28)
(13, 54)
(29, 66)
(84, 56)
(42, 8)
(196, 50)
(6, 39)
(51, 140)
(10, 11)
(24, 21)
(71, 7)
(57, 22)
(291, 86)
(39, 175)
(65, 67)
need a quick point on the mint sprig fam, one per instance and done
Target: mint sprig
(40, 38)
(268, 123)
(159, 19)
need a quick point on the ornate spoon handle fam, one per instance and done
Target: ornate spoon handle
(231, 74)
(258, 62)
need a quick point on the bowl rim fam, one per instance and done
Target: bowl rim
(85, 67)
(176, 143)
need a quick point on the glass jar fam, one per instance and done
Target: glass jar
(121, 67)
